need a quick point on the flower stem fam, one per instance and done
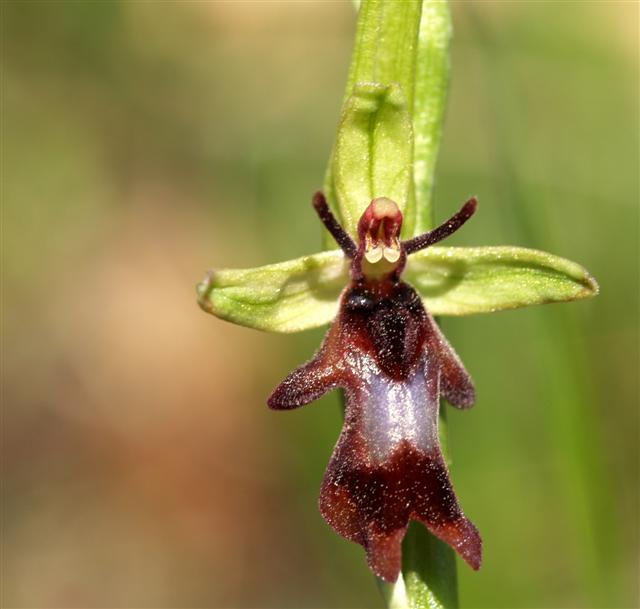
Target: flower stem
(407, 44)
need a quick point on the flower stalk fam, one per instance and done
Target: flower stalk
(403, 45)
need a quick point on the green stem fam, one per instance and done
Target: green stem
(407, 43)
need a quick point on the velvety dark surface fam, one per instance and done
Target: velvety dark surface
(386, 352)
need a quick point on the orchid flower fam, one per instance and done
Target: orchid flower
(381, 290)
(386, 351)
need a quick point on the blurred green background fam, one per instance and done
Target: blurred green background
(144, 142)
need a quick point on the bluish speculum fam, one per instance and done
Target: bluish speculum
(389, 356)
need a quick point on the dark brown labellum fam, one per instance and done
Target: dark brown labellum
(389, 356)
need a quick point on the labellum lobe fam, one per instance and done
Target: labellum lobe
(387, 353)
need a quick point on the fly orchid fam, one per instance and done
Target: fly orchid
(393, 362)
(387, 353)
(384, 348)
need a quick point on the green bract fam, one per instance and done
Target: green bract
(374, 151)
(402, 44)
(303, 293)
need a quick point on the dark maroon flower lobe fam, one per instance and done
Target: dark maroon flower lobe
(389, 356)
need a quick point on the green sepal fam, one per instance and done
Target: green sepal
(468, 280)
(374, 151)
(285, 297)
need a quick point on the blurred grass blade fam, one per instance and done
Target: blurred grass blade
(285, 297)
(467, 280)
(574, 419)
(373, 151)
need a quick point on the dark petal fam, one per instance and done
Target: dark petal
(455, 382)
(343, 239)
(306, 383)
(311, 380)
(444, 230)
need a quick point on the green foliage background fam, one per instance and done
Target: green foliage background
(143, 143)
